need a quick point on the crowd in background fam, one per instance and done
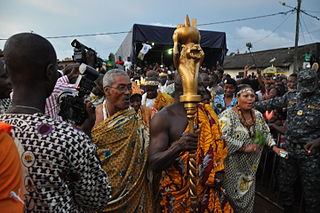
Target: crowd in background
(62, 173)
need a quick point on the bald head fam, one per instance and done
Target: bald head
(27, 57)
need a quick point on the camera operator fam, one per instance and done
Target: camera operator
(67, 102)
(64, 83)
(84, 54)
(94, 61)
(72, 104)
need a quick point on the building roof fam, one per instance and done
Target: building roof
(282, 57)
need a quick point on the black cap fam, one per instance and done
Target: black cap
(230, 81)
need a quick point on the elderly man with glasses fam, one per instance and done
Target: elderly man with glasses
(122, 139)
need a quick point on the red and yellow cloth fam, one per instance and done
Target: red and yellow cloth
(210, 155)
(163, 99)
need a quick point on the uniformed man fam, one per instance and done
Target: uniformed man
(303, 119)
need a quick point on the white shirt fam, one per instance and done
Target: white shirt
(145, 48)
(127, 65)
(147, 101)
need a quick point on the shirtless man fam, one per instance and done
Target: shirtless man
(168, 152)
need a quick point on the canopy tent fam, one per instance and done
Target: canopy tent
(273, 70)
(213, 43)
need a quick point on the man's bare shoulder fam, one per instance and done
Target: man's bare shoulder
(168, 110)
(164, 117)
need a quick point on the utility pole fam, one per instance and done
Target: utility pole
(296, 43)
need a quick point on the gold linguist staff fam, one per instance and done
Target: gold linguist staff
(187, 63)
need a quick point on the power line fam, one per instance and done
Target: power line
(302, 31)
(308, 14)
(80, 35)
(87, 35)
(313, 11)
(305, 26)
(212, 23)
(272, 32)
(315, 30)
(249, 18)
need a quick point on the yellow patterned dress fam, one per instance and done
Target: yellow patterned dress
(122, 142)
(210, 156)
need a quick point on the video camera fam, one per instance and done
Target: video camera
(80, 52)
(72, 105)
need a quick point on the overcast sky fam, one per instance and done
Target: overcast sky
(70, 17)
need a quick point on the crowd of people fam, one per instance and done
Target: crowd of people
(131, 152)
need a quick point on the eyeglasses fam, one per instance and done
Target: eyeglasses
(122, 88)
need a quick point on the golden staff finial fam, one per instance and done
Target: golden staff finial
(187, 63)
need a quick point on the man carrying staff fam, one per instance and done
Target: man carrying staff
(172, 143)
(168, 153)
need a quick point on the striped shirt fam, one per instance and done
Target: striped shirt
(52, 105)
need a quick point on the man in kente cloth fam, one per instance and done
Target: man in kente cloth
(168, 153)
(122, 139)
(154, 98)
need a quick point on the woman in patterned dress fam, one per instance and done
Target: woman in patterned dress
(242, 128)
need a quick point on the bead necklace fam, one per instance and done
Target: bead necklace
(246, 124)
(105, 110)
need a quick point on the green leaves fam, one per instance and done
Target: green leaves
(260, 137)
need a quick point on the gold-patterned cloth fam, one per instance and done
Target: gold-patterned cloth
(122, 142)
(210, 155)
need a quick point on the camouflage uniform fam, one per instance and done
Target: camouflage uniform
(303, 120)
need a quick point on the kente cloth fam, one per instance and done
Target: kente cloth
(163, 99)
(241, 168)
(210, 155)
(122, 142)
(11, 187)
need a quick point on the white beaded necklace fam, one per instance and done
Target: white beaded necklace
(105, 110)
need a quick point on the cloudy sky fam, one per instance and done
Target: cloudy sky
(74, 17)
